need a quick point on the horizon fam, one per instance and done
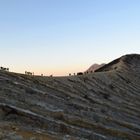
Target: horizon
(59, 37)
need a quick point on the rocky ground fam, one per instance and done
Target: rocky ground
(104, 105)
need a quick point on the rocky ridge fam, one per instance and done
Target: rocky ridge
(98, 106)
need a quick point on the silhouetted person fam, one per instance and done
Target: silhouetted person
(80, 73)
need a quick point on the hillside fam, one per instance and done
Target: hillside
(99, 106)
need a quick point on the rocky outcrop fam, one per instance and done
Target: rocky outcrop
(100, 106)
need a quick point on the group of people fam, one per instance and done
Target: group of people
(4, 69)
(32, 73)
(29, 73)
(82, 73)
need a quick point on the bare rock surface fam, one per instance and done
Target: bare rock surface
(104, 105)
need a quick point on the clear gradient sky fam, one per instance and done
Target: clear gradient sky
(65, 36)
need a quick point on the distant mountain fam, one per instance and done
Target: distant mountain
(94, 67)
(104, 105)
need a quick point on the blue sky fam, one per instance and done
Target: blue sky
(65, 36)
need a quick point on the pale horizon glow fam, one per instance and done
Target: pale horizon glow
(60, 37)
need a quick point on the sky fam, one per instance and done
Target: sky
(66, 36)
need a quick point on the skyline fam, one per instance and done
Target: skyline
(62, 37)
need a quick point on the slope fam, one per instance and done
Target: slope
(100, 106)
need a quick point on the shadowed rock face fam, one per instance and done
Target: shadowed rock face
(100, 106)
(129, 62)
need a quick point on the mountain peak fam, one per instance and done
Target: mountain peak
(129, 61)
